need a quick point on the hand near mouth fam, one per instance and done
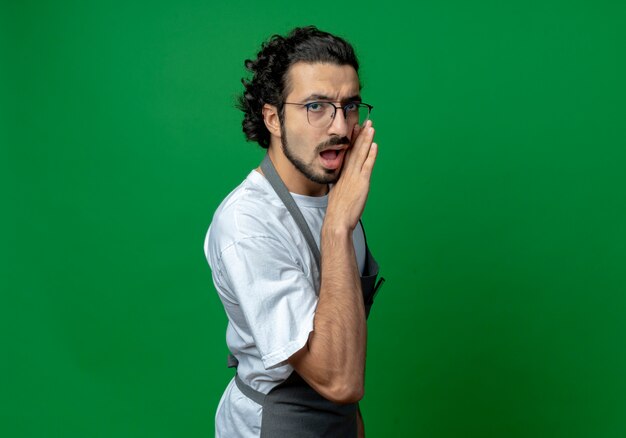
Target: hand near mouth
(347, 199)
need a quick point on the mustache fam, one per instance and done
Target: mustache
(333, 141)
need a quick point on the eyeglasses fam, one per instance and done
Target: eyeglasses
(322, 114)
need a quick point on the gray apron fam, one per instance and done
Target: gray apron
(293, 408)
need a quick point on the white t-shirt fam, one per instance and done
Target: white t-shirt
(267, 279)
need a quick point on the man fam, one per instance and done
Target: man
(286, 248)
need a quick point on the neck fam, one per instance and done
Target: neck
(293, 179)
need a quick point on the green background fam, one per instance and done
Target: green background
(497, 212)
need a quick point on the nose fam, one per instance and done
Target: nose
(339, 125)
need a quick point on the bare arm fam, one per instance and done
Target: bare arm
(333, 360)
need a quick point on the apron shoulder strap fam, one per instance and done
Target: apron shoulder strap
(283, 193)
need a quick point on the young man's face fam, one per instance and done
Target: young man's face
(318, 152)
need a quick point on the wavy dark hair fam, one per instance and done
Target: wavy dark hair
(269, 73)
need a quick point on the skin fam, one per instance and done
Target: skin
(333, 360)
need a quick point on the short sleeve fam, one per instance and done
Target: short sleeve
(274, 294)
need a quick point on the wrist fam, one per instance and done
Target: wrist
(336, 231)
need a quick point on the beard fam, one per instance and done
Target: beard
(326, 176)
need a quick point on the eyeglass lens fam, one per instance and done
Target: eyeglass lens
(321, 114)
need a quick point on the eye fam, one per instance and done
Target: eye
(351, 107)
(315, 107)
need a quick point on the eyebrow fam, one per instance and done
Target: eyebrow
(315, 96)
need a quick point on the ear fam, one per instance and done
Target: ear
(271, 119)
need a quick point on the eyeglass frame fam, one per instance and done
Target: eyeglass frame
(335, 107)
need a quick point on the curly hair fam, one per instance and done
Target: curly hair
(269, 73)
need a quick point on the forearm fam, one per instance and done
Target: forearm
(334, 357)
(340, 335)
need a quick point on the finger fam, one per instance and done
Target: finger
(360, 148)
(348, 162)
(355, 132)
(368, 165)
(364, 142)
(360, 130)
(346, 159)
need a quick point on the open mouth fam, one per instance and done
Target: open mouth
(332, 158)
(329, 154)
